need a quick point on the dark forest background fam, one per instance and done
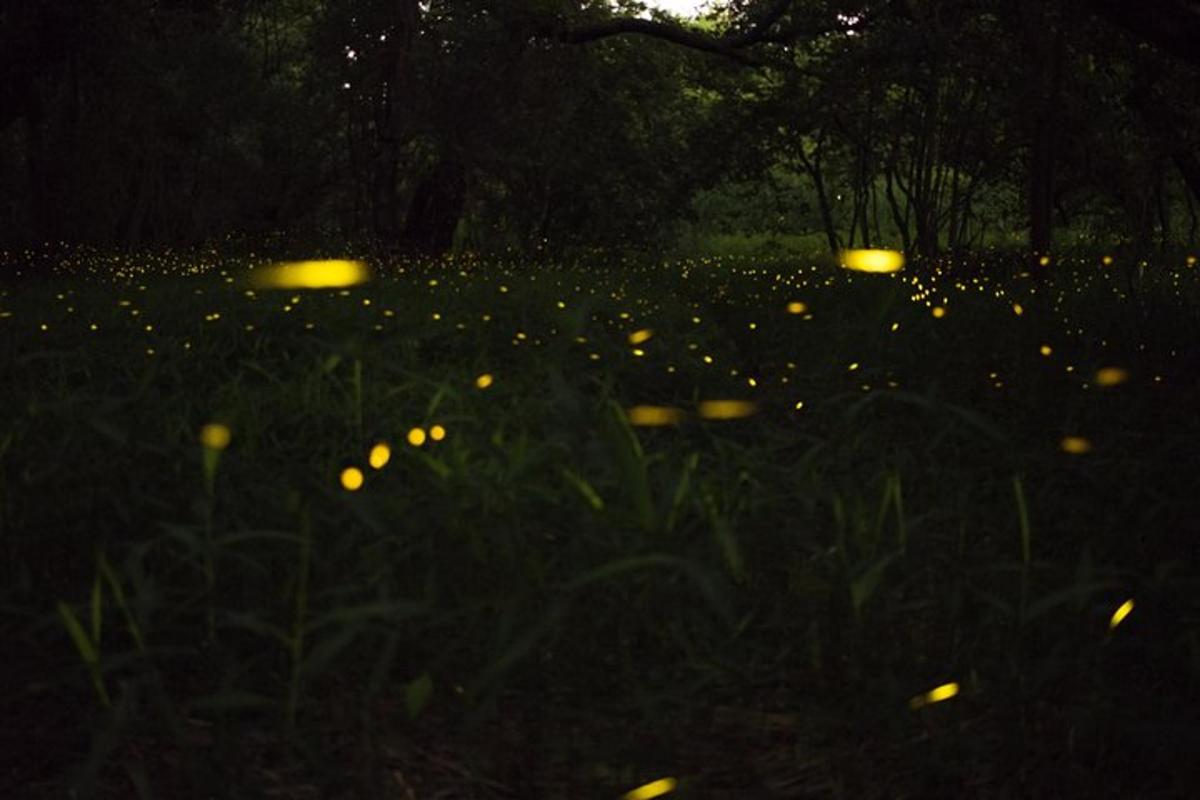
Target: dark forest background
(566, 125)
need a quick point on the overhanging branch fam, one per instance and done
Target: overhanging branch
(730, 45)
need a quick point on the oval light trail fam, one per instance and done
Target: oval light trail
(650, 416)
(1075, 445)
(1120, 614)
(1111, 376)
(653, 789)
(935, 695)
(879, 261)
(727, 409)
(327, 274)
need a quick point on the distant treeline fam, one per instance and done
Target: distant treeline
(563, 125)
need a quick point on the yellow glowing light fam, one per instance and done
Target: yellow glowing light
(1111, 376)
(796, 307)
(1044, 261)
(214, 436)
(637, 337)
(872, 260)
(416, 437)
(1075, 445)
(1046, 350)
(1107, 261)
(1017, 309)
(311, 275)
(484, 381)
(938, 312)
(1191, 261)
(352, 479)
(649, 416)
(936, 695)
(853, 366)
(437, 433)
(1120, 614)
(380, 455)
(653, 789)
(727, 409)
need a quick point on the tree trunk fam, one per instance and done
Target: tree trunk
(813, 168)
(1044, 139)
(395, 100)
(436, 208)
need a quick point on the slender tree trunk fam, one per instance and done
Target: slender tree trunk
(1044, 140)
(392, 130)
(813, 167)
(436, 209)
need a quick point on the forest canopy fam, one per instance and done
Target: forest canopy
(567, 125)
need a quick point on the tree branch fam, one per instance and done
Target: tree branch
(730, 45)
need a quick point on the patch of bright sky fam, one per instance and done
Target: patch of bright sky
(682, 8)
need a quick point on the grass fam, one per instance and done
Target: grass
(550, 600)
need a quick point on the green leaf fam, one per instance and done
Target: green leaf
(864, 586)
(584, 488)
(417, 695)
(78, 635)
(238, 619)
(97, 608)
(631, 462)
(725, 538)
(320, 657)
(682, 486)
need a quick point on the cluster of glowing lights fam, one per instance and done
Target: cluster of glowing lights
(380, 455)
(326, 274)
(936, 695)
(877, 261)
(649, 416)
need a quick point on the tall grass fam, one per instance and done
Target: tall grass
(550, 600)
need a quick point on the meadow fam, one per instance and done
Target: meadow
(486, 528)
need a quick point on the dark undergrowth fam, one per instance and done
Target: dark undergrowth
(540, 595)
